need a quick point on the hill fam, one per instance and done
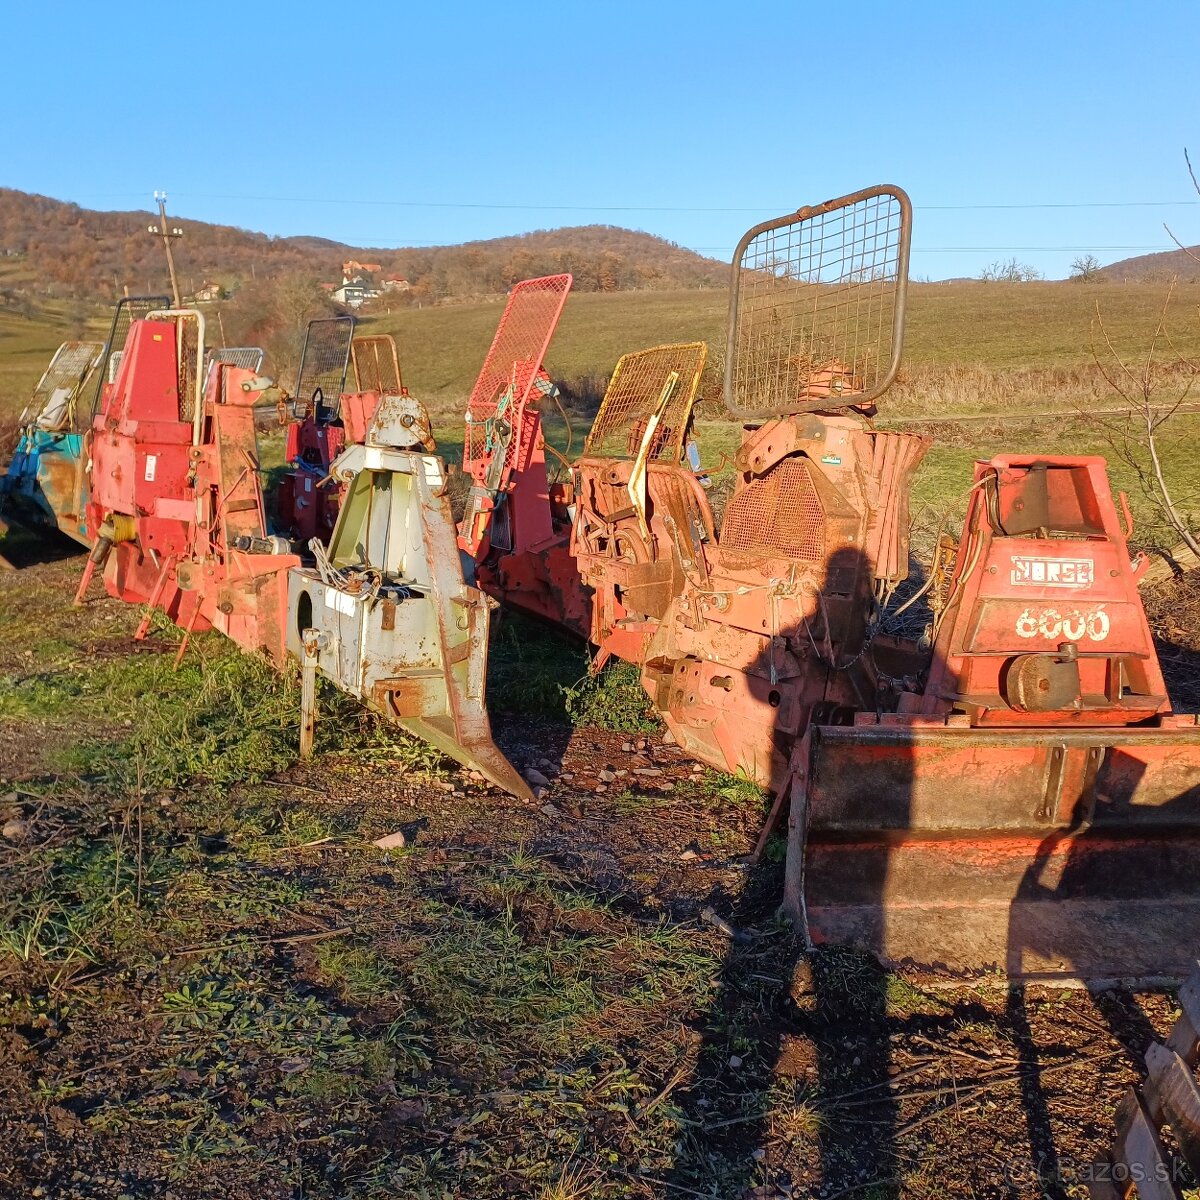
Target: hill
(56, 249)
(1155, 268)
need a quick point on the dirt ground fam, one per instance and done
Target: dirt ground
(213, 984)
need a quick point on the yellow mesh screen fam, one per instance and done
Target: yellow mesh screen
(187, 343)
(779, 515)
(376, 365)
(633, 396)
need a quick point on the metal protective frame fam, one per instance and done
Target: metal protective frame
(881, 265)
(192, 376)
(377, 365)
(324, 372)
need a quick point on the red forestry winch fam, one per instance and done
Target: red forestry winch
(325, 419)
(176, 498)
(1011, 789)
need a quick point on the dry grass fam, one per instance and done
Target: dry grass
(941, 390)
(1173, 609)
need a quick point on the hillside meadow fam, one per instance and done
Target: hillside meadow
(1029, 358)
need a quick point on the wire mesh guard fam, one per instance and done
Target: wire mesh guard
(777, 515)
(817, 306)
(249, 358)
(377, 365)
(129, 309)
(324, 359)
(53, 399)
(188, 350)
(512, 364)
(639, 389)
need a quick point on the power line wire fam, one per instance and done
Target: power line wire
(364, 201)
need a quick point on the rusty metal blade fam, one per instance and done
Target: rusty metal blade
(476, 753)
(396, 623)
(1067, 854)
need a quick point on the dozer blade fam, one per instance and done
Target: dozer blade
(390, 616)
(1050, 854)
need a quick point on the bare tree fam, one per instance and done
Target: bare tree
(1085, 268)
(1009, 272)
(1154, 392)
(273, 313)
(1191, 253)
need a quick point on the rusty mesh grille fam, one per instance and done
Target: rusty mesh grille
(778, 515)
(377, 365)
(634, 395)
(67, 372)
(187, 345)
(324, 360)
(128, 310)
(512, 364)
(817, 305)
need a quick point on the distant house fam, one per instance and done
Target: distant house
(352, 268)
(395, 283)
(350, 294)
(209, 292)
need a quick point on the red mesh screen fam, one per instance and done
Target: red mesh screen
(779, 516)
(511, 366)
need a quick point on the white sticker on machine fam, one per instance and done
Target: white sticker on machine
(1031, 571)
(151, 467)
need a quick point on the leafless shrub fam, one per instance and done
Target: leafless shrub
(1151, 393)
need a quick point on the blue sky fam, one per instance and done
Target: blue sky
(406, 124)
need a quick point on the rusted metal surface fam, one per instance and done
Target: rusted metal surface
(176, 498)
(1039, 852)
(377, 365)
(310, 648)
(816, 306)
(391, 618)
(1009, 790)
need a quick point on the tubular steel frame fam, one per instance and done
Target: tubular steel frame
(872, 252)
(332, 361)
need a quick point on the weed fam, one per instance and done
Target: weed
(719, 791)
(359, 973)
(903, 997)
(612, 699)
(532, 667)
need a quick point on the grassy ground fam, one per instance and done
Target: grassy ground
(212, 983)
(1031, 337)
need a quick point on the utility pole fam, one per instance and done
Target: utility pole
(167, 233)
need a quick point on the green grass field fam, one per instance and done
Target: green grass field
(1029, 354)
(1006, 330)
(212, 982)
